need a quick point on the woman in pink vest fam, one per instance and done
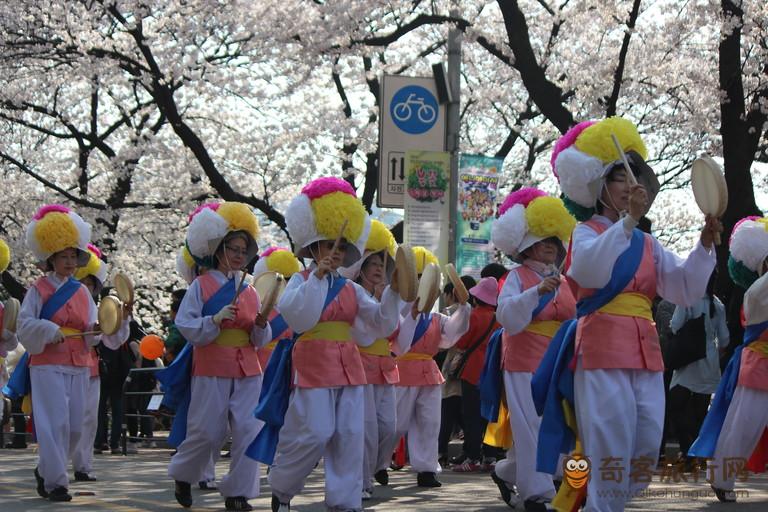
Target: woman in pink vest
(225, 329)
(419, 389)
(618, 382)
(8, 339)
(328, 224)
(282, 261)
(532, 229)
(56, 310)
(93, 275)
(373, 272)
(738, 417)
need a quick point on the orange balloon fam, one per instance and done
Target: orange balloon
(151, 346)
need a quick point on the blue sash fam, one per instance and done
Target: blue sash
(276, 389)
(60, 297)
(278, 326)
(175, 383)
(491, 381)
(223, 297)
(705, 444)
(553, 380)
(18, 385)
(425, 319)
(544, 300)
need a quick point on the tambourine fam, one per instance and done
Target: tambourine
(459, 290)
(10, 314)
(709, 188)
(269, 286)
(110, 315)
(407, 282)
(123, 287)
(429, 287)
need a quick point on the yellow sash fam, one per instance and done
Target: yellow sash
(414, 356)
(271, 345)
(380, 347)
(499, 433)
(629, 304)
(70, 333)
(333, 331)
(567, 497)
(546, 328)
(760, 347)
(233, 338)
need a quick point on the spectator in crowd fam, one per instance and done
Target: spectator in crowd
(693, 384)
(174, 342)
(468, 365)
(662, 315)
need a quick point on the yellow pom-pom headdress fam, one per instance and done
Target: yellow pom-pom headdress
(95, 267)
(586, 154)
(277, 259)
(5, 256)
(210, 224)
(55, 228)
(319, 213)
(422, 256)
(528, 216)
(380, 240)
(186, 265)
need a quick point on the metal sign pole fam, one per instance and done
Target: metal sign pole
(452, 133)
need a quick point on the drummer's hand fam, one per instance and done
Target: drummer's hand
(638, 202)
(548, 285)
(127, 310)
(58, 337)
(260, 321)
(712, 225)
(225, 313)
(324, 266)
(393, 283)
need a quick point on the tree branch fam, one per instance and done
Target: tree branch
(618, 75)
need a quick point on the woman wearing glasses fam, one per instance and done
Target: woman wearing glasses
(219, 316)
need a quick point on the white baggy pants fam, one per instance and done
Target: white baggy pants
(380, 424)
(82, 456)
(418, 415)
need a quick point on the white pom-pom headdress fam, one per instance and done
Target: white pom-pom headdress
(55, 228)
(277, 259)
(95, 267)
(319, 213)
(749, 250)
(210, 224)
(528, 216)
(586, 154)
(756, 302)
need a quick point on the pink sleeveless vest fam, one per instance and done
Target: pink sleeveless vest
(613, 341)
(422, 372)
(522, 352)
(93, 364)
(320, 363)
(214, 360)
(74, 315)
(753, 372)
(381, 369)
(266, 351)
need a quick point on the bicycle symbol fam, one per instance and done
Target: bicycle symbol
(414, 109)
(403, 111)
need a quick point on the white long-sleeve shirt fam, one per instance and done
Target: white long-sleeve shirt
(200, 330)
(452, 328)
(35, 333)
(680, 281)
(302, 306)
(515, 305)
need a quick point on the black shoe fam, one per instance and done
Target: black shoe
(205, 485)
(237, 503)
(427, 479)
(81, 476)
(59, 494)
(506, 492)
(183, 493)
(382, 476)
(40, 485)
(537, 505)
(277, 506)
(455, 461)
(723, 495)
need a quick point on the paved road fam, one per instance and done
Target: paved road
(139, 482)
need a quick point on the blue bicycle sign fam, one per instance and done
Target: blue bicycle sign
(414, 109)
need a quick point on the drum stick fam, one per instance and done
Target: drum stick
(239, 287)
(337, 243)
(630, 176)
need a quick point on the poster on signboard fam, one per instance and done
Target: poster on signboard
(478, 186)
(427, 181)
